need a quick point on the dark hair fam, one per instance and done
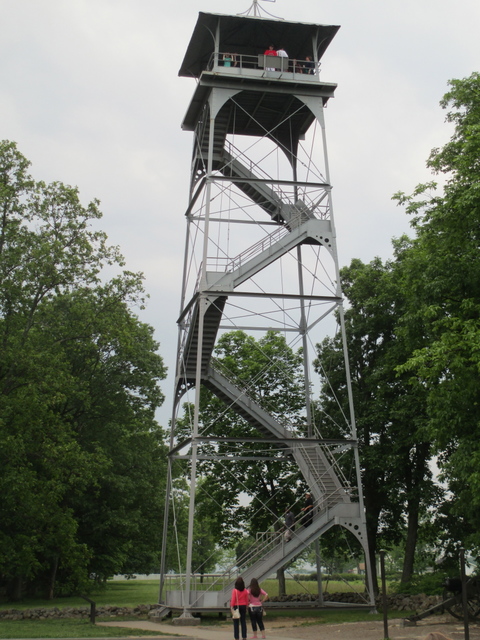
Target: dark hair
(254, 588)
(239, 584)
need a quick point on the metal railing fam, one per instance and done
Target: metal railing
(245, 391)
(229, 265)
(351, 491)
(239, 61)
(286, 196)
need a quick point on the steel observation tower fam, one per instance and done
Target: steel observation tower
(260, 255)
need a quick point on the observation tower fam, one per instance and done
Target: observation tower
(260, 258)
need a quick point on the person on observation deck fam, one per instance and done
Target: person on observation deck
(270, 52)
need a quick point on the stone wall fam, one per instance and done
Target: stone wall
(397, 602)
(75, 612)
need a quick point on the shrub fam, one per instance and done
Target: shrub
(429, 583)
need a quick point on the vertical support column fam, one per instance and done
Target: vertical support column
(303, 331)
(316, 106)
(202, 305)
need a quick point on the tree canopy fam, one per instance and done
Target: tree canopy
(413, 327)
(81, 455)
(442, 273)
(270, 483)
(390, 410)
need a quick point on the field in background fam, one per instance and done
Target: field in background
(129, 593)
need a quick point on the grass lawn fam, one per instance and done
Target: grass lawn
(83, 628)
(121, 593)
(64, 629)
(318, 616)
(129, 593)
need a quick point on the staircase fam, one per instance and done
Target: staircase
(315, 462)
(254, 186)
(271, 552)
(238, 270)
(332, 495)
(211, 321)
(322, 474)
(259, 192)
(201, 143)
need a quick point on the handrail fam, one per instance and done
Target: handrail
(228, 60)
(315, 204)
(265, 543)
(337, 468)
(218, 366)
(232, 264)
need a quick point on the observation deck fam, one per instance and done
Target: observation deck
(228, 52)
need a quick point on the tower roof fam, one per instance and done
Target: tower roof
(251, 35)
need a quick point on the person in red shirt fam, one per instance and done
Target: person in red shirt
(239, 601)
(270, 52)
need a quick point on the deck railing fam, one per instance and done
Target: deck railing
(240, 62)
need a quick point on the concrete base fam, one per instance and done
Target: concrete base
(187, 621)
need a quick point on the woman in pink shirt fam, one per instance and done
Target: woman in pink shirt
(256, 598)
(239, 600)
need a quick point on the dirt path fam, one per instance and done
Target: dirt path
(373, 630)
(310, 629)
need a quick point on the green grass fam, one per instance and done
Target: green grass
(310, 586)
(317, 616)
(83, 629)
(64, 629)
(122, 593)
(129, 593)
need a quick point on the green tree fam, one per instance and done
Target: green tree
(206, 552)
(390, 416)
(272, 375)
(81, 455)
(278, 387)
(443, 276)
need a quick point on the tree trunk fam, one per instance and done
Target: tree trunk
(52, 578)
(372, 517)
(14, 589)
(418, 473)
(374, 499)
(411, 542)
(282, 587)
(372, 568)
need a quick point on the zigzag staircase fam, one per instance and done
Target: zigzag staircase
(331, 492)
(271, 552)
(250, 183)
(239, 270)
(297, 224)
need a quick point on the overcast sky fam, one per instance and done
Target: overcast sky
(89, 90)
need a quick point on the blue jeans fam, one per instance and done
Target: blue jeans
(242, 621)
